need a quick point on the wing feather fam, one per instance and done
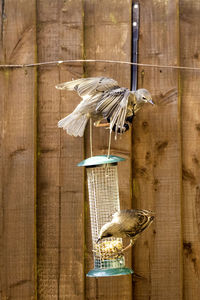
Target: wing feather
(113, 104)
(89, 86)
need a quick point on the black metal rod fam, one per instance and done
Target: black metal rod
(135, 35)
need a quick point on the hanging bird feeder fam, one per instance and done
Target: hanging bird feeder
(104, 201)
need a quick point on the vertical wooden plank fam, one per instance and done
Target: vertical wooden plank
(108, 36)
(60, 183)
(157, 156)
(17, 147)
(190, 89)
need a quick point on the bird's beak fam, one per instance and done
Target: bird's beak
(151, 101)
(98, 240)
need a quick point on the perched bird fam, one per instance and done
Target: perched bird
(102, 98)
(127, 223)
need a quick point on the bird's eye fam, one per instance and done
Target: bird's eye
(141, 218)
(143, 98)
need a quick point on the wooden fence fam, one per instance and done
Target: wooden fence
(45, 240)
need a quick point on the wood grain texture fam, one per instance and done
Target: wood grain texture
(60, 213)
(156, 154)
(108, 36)
(166, 257)
(17, 149)
(190, 90)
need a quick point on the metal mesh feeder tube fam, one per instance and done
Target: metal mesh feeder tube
(104, 201)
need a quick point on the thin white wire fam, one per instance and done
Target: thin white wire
(91, 133)
(58, 62)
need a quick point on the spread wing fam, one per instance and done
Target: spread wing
(89, 86)
(113, 105)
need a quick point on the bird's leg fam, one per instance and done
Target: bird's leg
(129, 246)
(91, 153)
(98, 124)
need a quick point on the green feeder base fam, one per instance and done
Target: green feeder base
(100, 160)
(109, 272)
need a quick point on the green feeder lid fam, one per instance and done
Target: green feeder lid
(109, 272)
(100, 160)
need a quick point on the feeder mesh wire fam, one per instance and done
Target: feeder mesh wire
(104, 202)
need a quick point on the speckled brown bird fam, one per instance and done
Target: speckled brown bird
(127, 223)
(102, 98)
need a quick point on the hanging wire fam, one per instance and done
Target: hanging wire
(109, 142)
(91, 150)
(58, 62)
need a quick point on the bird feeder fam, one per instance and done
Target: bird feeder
(104, 201)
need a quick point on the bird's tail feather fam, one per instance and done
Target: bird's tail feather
(74, 124)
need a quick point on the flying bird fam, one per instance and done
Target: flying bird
(127, 223)
(102, 99)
